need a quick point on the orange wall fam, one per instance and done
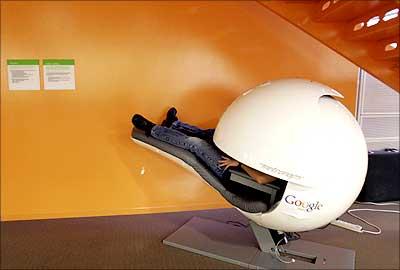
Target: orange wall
(68, 153)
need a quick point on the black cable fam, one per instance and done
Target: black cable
(292, 236)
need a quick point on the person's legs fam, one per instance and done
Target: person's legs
(203, 150)
(205, 134)
(142, 123)
(206, 152)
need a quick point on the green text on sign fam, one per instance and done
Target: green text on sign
(22, 62)
(59, 62)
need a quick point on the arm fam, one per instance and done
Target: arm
(259, 177)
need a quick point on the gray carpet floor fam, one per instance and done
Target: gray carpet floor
(135, 242)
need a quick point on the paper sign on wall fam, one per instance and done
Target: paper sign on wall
(59, 74)
(23, 74)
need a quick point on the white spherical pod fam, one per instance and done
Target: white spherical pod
(295, 130)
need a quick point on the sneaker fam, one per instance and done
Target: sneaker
(171, 117)
(142, 123)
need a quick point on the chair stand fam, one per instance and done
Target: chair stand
(254, 247)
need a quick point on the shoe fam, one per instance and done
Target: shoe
(171, 117)
(142, 123)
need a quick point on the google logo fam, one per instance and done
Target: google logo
(308, 206)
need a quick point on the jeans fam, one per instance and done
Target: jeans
(196, 140)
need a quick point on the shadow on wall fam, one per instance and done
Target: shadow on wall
(204, 106)
(201, 107)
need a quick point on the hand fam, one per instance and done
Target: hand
(227, 162)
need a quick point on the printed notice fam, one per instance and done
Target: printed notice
(59, 74)
(23, 74)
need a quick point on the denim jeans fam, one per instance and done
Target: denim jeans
(196, 140)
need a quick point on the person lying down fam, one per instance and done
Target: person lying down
(196, 140)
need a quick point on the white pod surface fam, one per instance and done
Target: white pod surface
(294, 129)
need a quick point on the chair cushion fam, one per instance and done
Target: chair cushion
(243, 197)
